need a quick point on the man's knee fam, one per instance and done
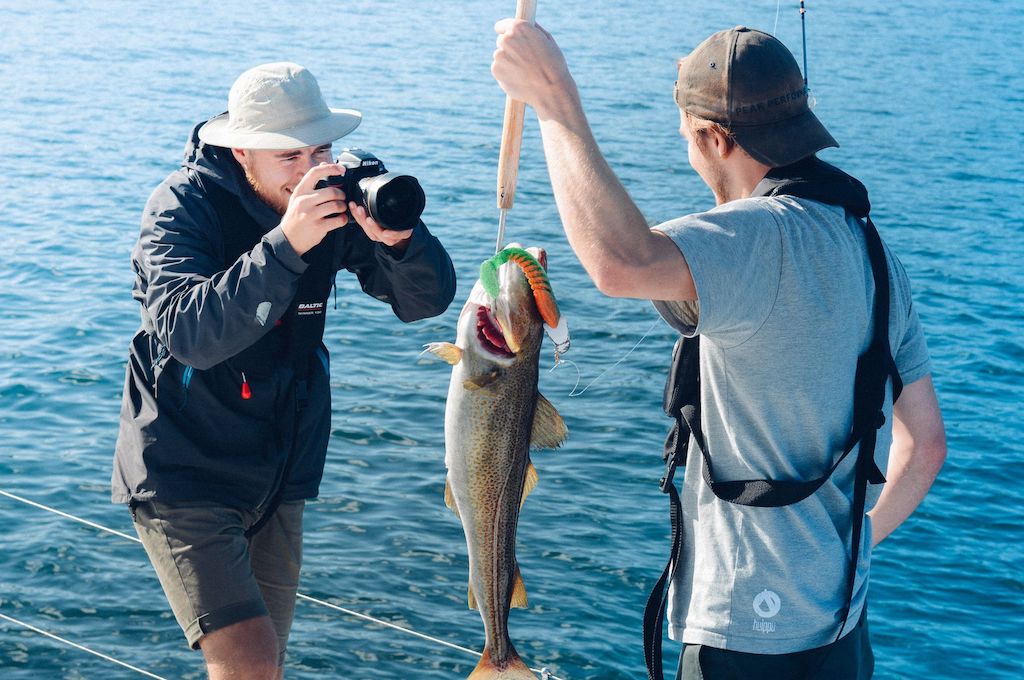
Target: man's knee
(247, 649)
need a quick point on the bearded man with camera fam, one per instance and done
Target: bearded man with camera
(226, 408)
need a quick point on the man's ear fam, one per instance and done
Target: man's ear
(723, 145)
(240, 156)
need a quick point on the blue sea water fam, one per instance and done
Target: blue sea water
(928, 102)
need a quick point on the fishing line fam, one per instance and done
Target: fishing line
(545, 673)
(579, 376)
(778, 9)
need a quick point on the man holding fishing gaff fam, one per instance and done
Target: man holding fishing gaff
(801, 373)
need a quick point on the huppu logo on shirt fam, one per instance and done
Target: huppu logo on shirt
(310, 308)
(766, 605)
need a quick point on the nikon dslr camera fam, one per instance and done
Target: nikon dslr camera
(395, 201)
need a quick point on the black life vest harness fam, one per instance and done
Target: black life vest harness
(815, 180)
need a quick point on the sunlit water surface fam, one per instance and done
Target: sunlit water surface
(98, 100)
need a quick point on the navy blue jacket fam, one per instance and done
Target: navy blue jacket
(226, 301)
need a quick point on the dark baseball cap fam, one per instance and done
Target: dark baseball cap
(749, 82)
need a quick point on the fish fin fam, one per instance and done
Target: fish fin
(513, 668)
(528, 483)
(549, 430)
(478, 381)
(451, 353)
(519, 592)
(449, 498)
(471, 597)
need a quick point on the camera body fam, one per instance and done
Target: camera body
(394, 200)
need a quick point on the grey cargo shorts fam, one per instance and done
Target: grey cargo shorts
(212, 574)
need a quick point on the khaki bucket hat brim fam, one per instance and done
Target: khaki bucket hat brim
(278, 106)
(340, 122)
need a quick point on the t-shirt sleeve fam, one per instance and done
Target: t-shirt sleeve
(735, 257)
(911, 357)
(910, 350)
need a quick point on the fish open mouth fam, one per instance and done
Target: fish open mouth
(490, 336)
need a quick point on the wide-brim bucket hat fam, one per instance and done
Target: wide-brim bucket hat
(278, 106)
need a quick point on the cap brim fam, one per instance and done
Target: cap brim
(335, 126)
(784, 142)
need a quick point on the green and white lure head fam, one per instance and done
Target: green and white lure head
(554, 322)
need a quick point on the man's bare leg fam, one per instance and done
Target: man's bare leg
(246, 650)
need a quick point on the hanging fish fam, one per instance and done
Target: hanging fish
(494, 416)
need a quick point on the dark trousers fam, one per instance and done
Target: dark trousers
(850, 658)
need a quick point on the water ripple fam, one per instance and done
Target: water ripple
(96, 115)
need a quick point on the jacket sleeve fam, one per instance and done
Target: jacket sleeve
(200, 311)
(418, 284)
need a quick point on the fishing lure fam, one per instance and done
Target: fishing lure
(555, 325)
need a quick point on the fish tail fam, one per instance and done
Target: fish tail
(513, 668)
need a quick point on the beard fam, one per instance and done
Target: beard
(278, 201)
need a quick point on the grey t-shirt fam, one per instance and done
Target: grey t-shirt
(785, 300)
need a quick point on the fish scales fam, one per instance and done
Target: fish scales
(487, 483)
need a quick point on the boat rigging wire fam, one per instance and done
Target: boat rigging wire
(544, 672)
(50, 635)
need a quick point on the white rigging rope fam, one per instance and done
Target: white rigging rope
(72, 517)
(78, 646)
(544, 672)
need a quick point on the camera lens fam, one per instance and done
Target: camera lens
(395, 201)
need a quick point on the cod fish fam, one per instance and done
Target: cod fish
(494, 416)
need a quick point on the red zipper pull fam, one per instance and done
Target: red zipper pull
(246, 392)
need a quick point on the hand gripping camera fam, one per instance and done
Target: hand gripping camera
(395, 201)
